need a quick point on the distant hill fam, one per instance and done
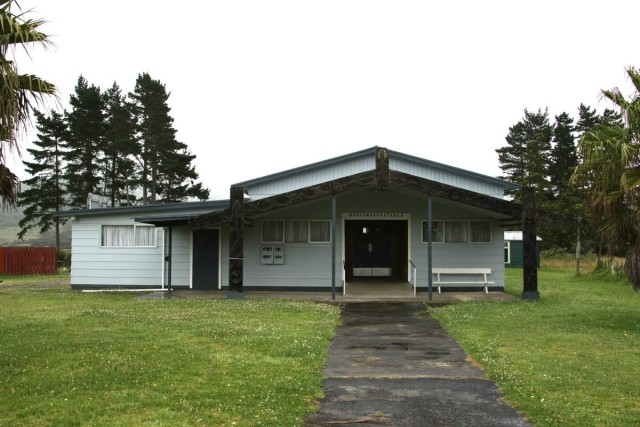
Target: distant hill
(9, 229)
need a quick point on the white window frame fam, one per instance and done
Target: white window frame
(507, 247)
(425, 238)
(490, 231)
(285, 240)
(135, 227)
(272, 241)
(468, 231)
(319, 241)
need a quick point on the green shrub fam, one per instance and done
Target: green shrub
(64, 259)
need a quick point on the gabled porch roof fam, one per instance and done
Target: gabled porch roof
(381, 177)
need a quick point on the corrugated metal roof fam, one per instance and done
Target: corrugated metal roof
(305, 168)
(166, 208)
(371, 152)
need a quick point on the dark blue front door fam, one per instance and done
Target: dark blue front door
(205, 259)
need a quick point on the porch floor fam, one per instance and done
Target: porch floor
(360, 291)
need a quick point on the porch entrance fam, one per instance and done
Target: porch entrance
(376, 251)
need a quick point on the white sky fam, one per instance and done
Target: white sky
(258, 87)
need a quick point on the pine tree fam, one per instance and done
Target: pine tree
(165, 163)
(524, 159)
(587, 119)
(570, 214)
(86, 123)
(46, 190)
(120, 147)
(176, 182)
(563, 159)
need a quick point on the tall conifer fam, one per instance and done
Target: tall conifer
(45, 191)
(166, 167)
(524, 159)
(120, 147)
(86, 121)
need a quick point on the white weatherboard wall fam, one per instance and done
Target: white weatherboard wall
(94, 265)
(306, 264)
(309, 265)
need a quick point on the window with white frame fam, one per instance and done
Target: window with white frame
(457, 231)
(296, 231)
(273, 231)
(437, 231)
(319, 231)
(479, 231)
(128, 236)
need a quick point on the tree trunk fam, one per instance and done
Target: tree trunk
(632, 263)
(57, 235)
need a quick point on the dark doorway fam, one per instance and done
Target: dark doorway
(205, 259)
(376, 250)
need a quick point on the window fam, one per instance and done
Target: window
(480, 231)
(437, 231)
(296, 231)
(128, 236)
(273, 231)
(320, 231)
(455, 232)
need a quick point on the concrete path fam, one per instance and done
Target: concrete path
(388, 366)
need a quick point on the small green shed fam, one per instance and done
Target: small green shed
(513, 249)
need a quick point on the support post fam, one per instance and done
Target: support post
(333, 245)
(236, 239)
(529, 245)
(169, 256)
(430, 247)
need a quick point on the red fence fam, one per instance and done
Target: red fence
(27, 260)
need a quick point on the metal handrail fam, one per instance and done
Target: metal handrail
(344, 279)
(414, 276)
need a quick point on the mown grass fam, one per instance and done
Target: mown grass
(37, 280)
(116, 360)
(572, 358)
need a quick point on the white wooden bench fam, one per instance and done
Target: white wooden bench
(464, 281)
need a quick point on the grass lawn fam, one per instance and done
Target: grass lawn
(572, 358)
(112, 359)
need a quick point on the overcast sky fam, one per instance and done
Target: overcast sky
(258, 87)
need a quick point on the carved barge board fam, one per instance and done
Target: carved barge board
(363, 180)
(444, 191)
(292, 198)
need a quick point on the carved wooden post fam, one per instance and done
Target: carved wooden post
(529, 244)
(236, 239)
